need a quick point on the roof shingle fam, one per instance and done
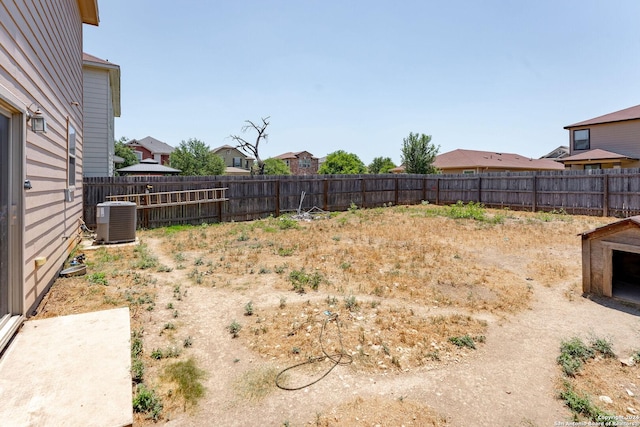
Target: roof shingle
(631, 113)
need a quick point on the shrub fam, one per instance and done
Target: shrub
(97, 278)
(234, 329)
(137, 370)
(248, 308)
(469, 211)
(463, 341)
(286, 223)
(300, 279)
(144, 259)
(573, 354)
(147, 401)
(603, 346)
(581, 405)
(350, 303)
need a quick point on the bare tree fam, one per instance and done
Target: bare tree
(252, 147)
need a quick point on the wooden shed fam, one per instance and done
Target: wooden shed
(611, 260)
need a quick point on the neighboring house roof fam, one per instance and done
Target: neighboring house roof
(89, 11)
(596, 154)
(631, 113)
(230, 170)
(463, 159)
(293, 155)
(559, 153)
(148, 166)
(153, 145)
(114, 77)
(633, 221)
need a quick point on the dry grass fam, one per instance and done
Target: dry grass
(379, 411)
(377, 338)
(402, 281)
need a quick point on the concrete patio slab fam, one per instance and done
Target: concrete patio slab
(69, 371)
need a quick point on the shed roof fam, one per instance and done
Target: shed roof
(631, 113)
(154, 145)
(633, 221)
(461, 159)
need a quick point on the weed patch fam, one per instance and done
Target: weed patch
(580, 404)
(147, 401)
(188, 378)
(301, 279)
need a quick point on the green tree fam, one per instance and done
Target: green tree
(418, 154)
(126, 152)
(341, 162)
(381, 165)
(273, 166)
(194, 158)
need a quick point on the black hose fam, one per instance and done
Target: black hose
(335, 358)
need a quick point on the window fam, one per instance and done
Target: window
(581, 139)
(287, 162)
(593, 166)
(71, 147)
(138, 155)
(469, 171)
(237, 162)
(305, 162)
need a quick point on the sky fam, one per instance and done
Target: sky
(359, 76)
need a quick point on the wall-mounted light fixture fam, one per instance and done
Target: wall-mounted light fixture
(37, 120)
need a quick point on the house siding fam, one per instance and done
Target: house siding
(296, 169)
(618, 137)
(41, 63)
(98, 123)
(228, 153)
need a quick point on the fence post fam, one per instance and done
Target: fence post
(605, 195)
(424, 189)
(479, 189)
(363, 190)
(325, 195)
(277, 198)
(395, 196)
(534, 202)
(438, 191)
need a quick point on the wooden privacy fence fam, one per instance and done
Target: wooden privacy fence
(609, 192)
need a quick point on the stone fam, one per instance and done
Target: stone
(606, 399)
(632, 411)
(627, 362)
(629, 392)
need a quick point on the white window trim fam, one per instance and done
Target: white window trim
(72, 135)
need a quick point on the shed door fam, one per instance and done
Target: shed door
(626, 275)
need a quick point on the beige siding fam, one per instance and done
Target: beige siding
(41, 63)
(619, 137)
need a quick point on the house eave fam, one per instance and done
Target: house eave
(114, 81)
(89, 12)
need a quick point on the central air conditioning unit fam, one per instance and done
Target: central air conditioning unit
(116, 222)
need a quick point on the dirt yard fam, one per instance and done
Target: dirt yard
(413, 316)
